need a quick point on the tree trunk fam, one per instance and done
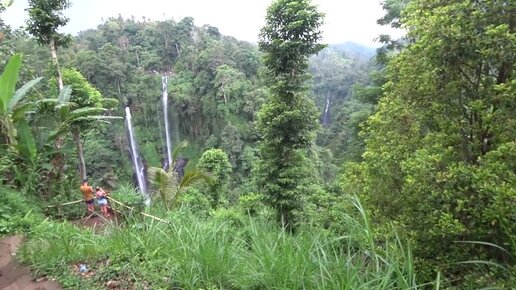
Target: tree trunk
(57, 160)
(7, 127)
(53, 51)
(284, 220)
(80, 153)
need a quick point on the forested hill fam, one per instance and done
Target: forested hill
(213, 84)
(356, 49)
(303, 159)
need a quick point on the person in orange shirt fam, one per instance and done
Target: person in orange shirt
(89, 196)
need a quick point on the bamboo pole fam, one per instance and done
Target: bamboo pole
(66, 203)
(117, 202)
(145, 214)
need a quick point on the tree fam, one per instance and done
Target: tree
(393, 10)
(215, 162)
(168, 183)
(232, 144)
(45, 18)
(439, 159)
(78, 105)
(288, 119)
(18, 148)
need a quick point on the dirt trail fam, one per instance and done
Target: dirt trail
(13, 275)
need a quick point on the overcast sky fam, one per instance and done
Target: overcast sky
(346, 20)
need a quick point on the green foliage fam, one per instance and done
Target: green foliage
(164, 184)
(83, 93)
(8, 79)
(229, 251)
(10, 110)
(287, 121)
(17, 213)
(194, 200)
(45, 18)
(167, 183)
(250, 203)
(439, 159)
(229, 216)
(232, 144)
(129, 196)
(216, 163)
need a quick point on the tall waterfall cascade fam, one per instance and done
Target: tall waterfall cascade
(137, 163)
(326, 116)
(164, 81)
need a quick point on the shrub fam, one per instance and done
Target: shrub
(17, 213)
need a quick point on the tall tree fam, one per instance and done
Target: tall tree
(440, 151)
(45, 18)
(288, 119)
(216, 163)
(78, 106)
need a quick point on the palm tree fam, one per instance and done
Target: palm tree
(167, 184)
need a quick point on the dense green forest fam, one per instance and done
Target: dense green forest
(293, 164)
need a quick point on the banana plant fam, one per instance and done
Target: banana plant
(70, 120)
(166, 183)
(11, 111)
(21, 151)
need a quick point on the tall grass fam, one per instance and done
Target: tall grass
(194, 253)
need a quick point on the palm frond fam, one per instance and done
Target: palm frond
(164, 183)
(179, 148)
(192, 177)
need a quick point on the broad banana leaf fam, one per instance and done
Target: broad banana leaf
(65, 94)
(8, 81)
(18, 113)
(26, 144)
(84, 112)
(21, 92)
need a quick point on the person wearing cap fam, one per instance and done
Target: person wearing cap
(89, 197)
(102, 200)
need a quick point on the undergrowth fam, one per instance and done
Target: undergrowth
(215, 253)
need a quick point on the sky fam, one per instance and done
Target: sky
(345, 20)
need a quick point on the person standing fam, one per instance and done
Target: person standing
(102, 199)
(89, 196)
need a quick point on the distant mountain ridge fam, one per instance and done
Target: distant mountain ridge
(354, 48)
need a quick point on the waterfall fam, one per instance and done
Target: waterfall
(137, 163)
(326, 116)
(164, 81)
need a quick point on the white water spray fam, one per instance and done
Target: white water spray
(138, 166)
(164, 81)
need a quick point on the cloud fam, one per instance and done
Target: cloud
(346, 20)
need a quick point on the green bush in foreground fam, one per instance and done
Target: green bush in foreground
(191, 253)
(17, 213)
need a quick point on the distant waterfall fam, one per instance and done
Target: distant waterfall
(137, 163)
(164, 82)
(326, 116)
